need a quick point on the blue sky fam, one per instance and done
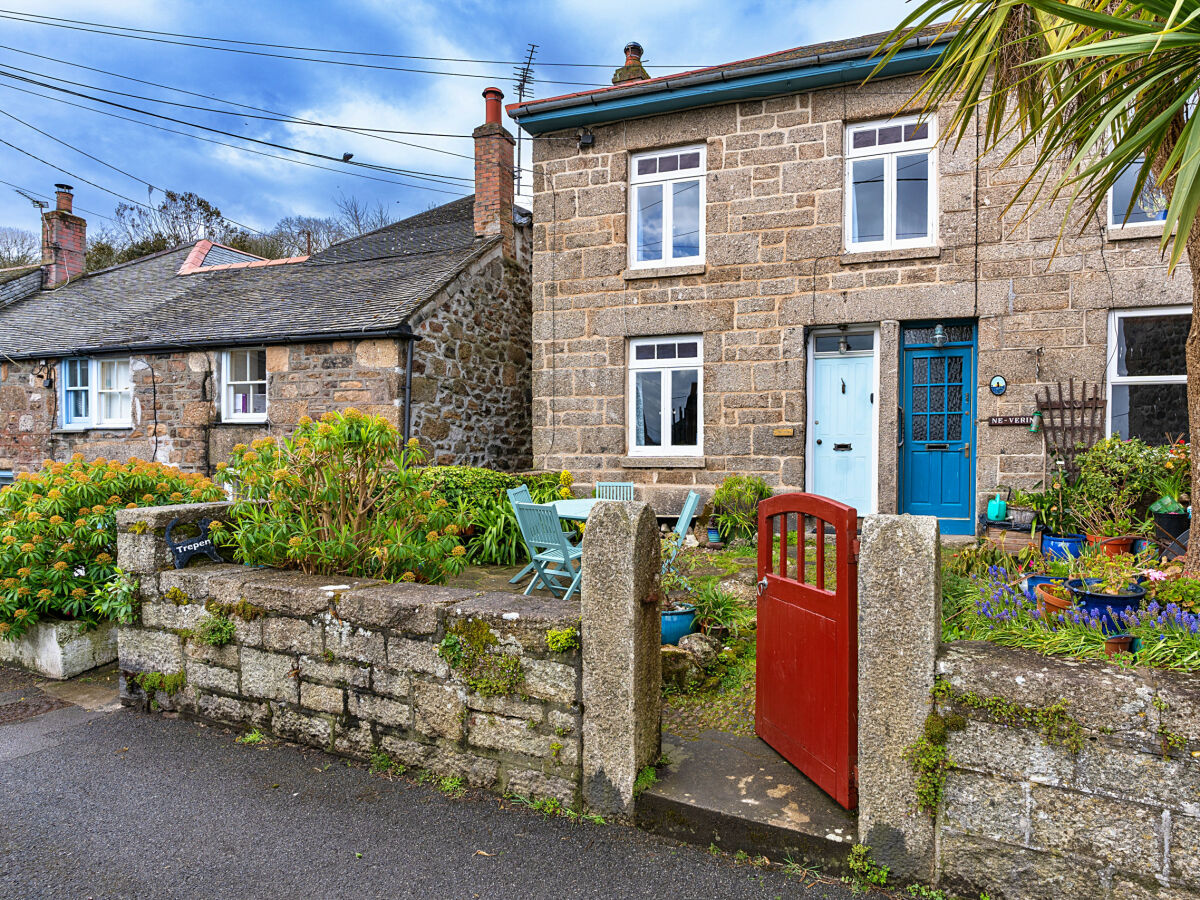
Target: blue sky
(256, 190)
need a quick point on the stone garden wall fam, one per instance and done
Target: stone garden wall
(454, 681)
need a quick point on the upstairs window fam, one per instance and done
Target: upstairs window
(96, 393)
(666, 396)
(891, 177)
(1150, 208)
(244, 398)
(667, 208)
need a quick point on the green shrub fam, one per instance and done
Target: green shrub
(736, 506)
(58, 535)
(341, 496)
(1117, 473)
(718, 610)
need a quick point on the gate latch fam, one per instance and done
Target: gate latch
(762, 585)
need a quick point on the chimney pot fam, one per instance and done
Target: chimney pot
(492, 96)
(63, 196)
(633, 69)
(633, 53)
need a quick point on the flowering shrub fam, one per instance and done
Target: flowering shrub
(1168, 635)
(340, 496)
(58, 533)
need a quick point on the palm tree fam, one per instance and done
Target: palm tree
(1088, 89)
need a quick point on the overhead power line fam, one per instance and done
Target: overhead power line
(197, 137)
(23, 17)
(24, 192)
(33, 18)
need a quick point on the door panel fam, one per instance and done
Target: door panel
(938, 455)
(843, 432)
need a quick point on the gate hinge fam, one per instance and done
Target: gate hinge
(854, 776)
(855, 547)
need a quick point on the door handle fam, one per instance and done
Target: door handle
(841, 447)
(937, 446)
(900, 431)
(967, 450)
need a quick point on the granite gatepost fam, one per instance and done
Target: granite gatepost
(899, 615)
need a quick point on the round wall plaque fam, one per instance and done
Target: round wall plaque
(998, 385)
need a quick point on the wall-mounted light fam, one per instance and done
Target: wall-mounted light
(586, 139)
(939, 336)
(843, 344)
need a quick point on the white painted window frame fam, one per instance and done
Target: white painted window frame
(1113, 211)
(698, 174)
(94, 419)
(889, 155)
(809, 427)
(228, 414)
(1113, 379)
(666, 367)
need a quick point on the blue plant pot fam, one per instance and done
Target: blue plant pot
(1063, 546)
(1030, 582)
(714, 536)
(1097, 603)
(678, 622)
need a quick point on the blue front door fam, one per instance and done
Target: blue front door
(937, 459)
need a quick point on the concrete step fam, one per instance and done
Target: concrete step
(739, 794)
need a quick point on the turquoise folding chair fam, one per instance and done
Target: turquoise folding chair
(614, 490)
(520, 494)
(559, 566)
(679, 535)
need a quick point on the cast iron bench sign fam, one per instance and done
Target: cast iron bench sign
(184, 550)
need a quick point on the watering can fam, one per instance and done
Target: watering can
(997, 509)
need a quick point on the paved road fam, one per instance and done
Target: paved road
(112, 803)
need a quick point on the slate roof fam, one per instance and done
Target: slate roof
(369, 284)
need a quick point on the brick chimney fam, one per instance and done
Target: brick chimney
(633, 70)
(64, 240)
(494, 175)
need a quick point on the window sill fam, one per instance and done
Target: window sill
(1133, 232)
(850, 257)
(262, 421)
(664, 272)
(662, 462)
(81, 429)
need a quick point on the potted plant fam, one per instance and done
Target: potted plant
(1110, 527)
(1053, 517)
(1170, 514)
(1118, 643)
(1053, 599)
(678, 619)
(1107, 586)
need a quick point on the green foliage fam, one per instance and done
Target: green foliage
(1052, 722)
(153, 682)
(341, 496)
(58, 535)
(721, 612)
(645, 779)
(382, 764)
(472, 650)
(562, 640)
(864, 872)
(451, 786)
(243, 609)
(117, 599)
(1120, 474)
(216, 631)
(736, 506)
(552, 806)
(930, 761)
(177, 596)
(252, 737)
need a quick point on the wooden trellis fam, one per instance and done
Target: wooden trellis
(1071, 424)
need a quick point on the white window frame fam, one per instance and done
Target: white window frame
(228, 414)
(666, 179)
(1114, 211)
(93, 391)
(1113, 379)
(889, 155)
(666, 366)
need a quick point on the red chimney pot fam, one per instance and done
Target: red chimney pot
(63, 197)
(493, 96)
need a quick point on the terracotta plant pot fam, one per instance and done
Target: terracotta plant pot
(1050, 599)
(1112, 546)
(1118, 643)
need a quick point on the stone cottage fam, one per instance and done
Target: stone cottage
(769, 267)
(179, 355)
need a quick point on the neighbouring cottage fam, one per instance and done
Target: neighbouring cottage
(768, 267)
(180, 355)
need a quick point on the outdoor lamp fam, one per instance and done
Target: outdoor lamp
(939, 336)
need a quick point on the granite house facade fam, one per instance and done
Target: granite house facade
(769, 267)
(180, 355)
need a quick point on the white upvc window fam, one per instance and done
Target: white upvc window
(1147, 373)
(666, 396)
(244, 376)
(891, 184)
(666, 207)
(1150, 208)
(96, 393)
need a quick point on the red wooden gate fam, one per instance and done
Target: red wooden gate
(807, 670)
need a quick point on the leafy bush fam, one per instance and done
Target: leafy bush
(719, 611)
(736, 505)
(340, 496)
(1120, 473)
(480, 495)
(58, 535)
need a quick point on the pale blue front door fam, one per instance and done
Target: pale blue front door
(843, 423)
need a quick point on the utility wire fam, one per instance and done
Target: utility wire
(197, 137)
(23, 191)
(7, 14)
(33, 17)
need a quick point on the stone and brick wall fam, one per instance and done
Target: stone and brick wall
(471, 387)
(352, 666)
(1025, 816)
(776, 266)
